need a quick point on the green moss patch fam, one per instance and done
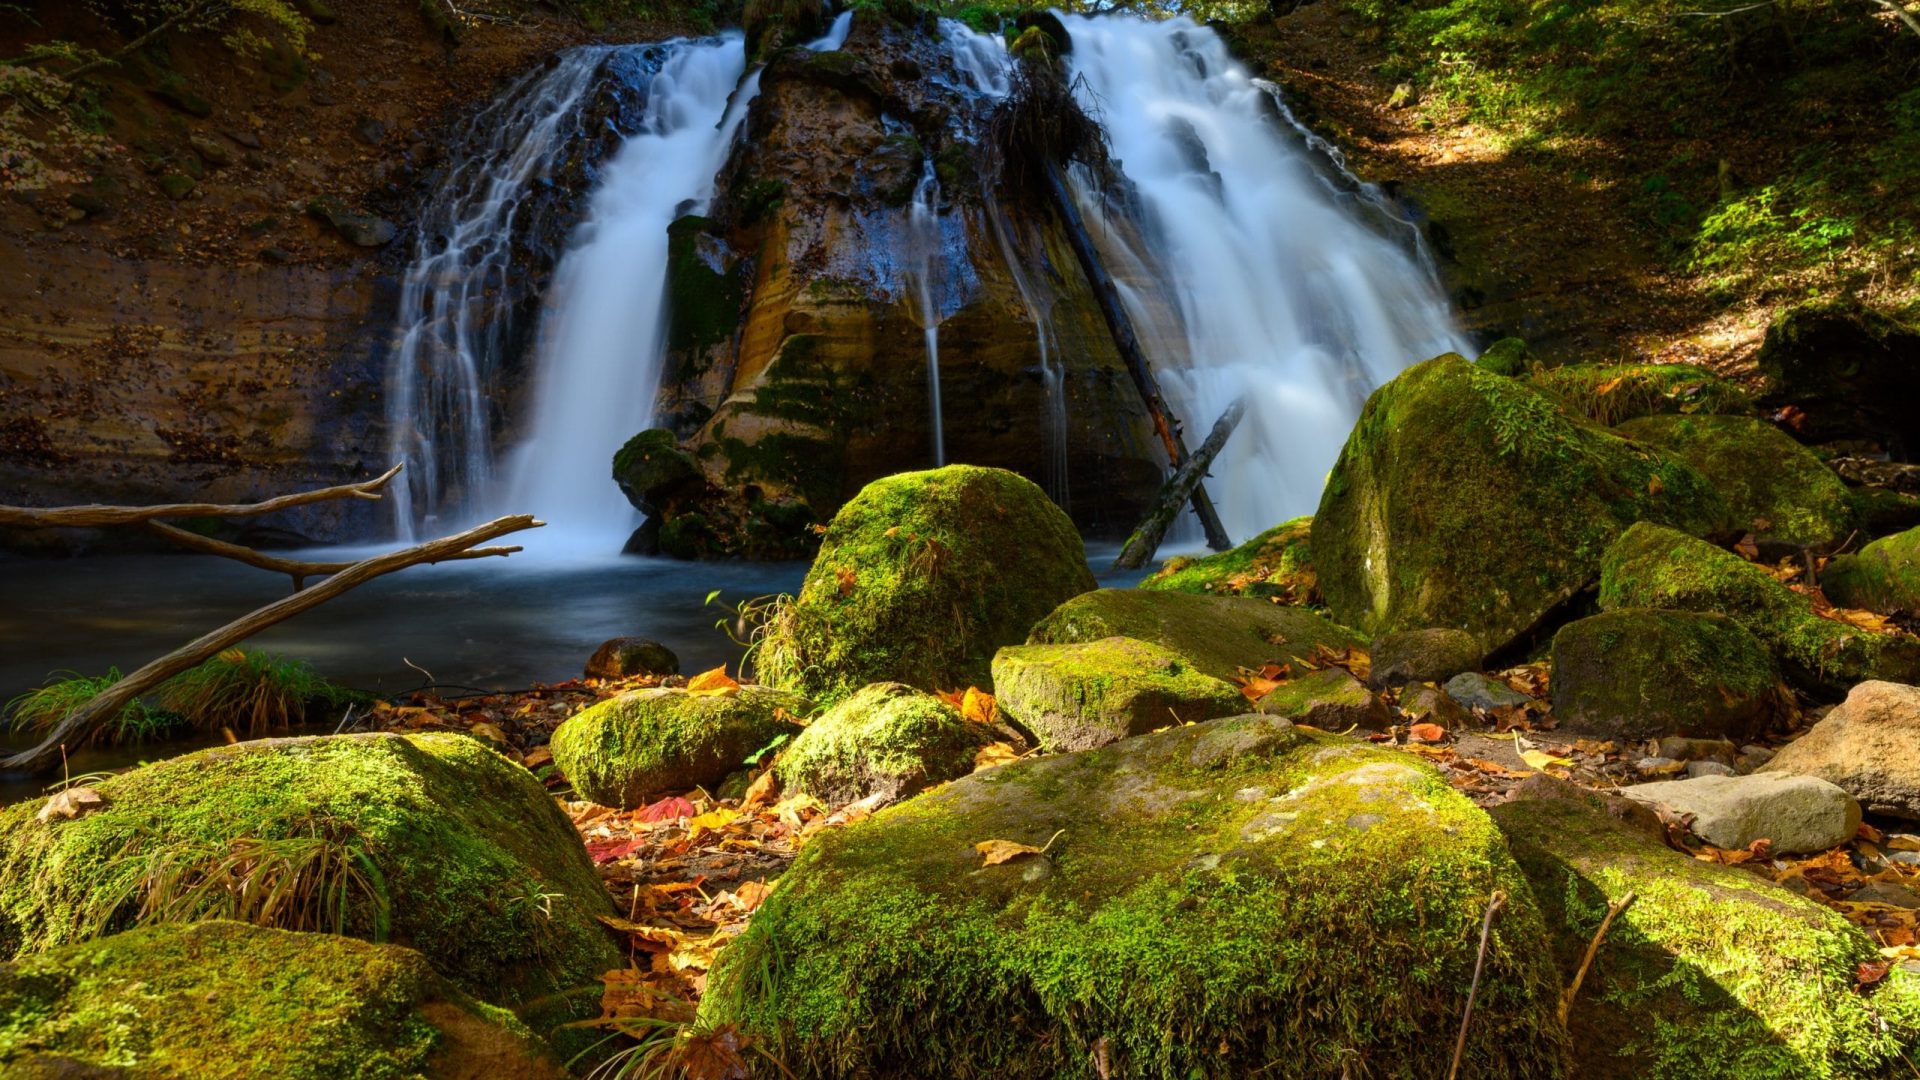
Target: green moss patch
(1639, 674)
(1772, 485)
(1883, 577)
(1277, 564)
(1218, 635)
(633, 748)
(1087, 694)
(1464, 499)
(227, 1000)
(920, 577)
(1227, 899)
(1613, 393)
(888, 740)
(459, 853)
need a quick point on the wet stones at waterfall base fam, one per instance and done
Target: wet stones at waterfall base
(1151, 910)
(886, 742)
(630, 749)
(920, 578)
(1217, 635)
(1868, 745)
(625, 657)
(1794, 813)
(1432, 655)
(1636, 673)
(1088, 694)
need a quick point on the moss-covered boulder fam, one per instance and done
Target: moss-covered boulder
(1467, 500)
(1228, 899)
(1884, 576)
(651, 463)
(1853, 372)
(1711, 972)
(920, 578)
(1276, 564)
(453, 850)
(1329, 699)
(1087, 694)
(222, 1000)
(1508, 356)
(1641, 674)
(889, 740)
(1652, 566)
(631, 749)
(1218, 635)
(1613, 393)
(1773, 486)
(1434, 655)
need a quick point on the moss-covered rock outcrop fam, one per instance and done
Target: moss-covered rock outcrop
(1277, 564)
(920, 578)
(1216, 634)
(1773, 486)
(1852, 371)
(1227, 899)
(223, 1000)
(1468, 500)
(1884, 576)
(628, 750)
(1614, 393)
(1652, 566)
(650, 464)
(888, 740)
(1711, 972)
(457, 852)
(1641, 674)
(1087, 694)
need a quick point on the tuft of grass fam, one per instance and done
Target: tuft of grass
(39, 711)
(247, 692)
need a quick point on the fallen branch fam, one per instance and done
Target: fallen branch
(71, 517)
(83, 721)
(1593, 949)
(1494, 904)
(298, 569)
(1177, 491)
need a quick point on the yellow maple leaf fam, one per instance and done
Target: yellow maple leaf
(1540, 759)
(716, 681)
(713, 819)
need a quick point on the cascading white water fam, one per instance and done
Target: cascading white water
(836, 34)
(447, 323)
(1284, 295)
(603, 328)
(929, 259)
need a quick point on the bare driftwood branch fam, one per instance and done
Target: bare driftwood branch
(83, 721)
(298, 569)
(1494, 904)
(1593, 949)
(53, 517)
(1177, 491)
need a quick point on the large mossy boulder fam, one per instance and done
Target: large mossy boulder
(1228, 899)
(455, 851)
(1884, 576)
(1087, 694)
(887, 741)
(651, 463)
(1851, 372)
(920, 578)
(1711, 971)
(1218, 635)
(1277, 564)
(631, 749)
(225, 1000)
(1652, 566)
(1635, 673)
(1464, 499)
(1612, 393)
(1773, 486)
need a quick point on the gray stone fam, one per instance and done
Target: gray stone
(212, 151)
(1869, 745)
(1433, 655)
(1476, 691)
(360, 230)
(1684, 749)
(1886, 892)
(1797, 813)
(1424, 703)
(1709, 768)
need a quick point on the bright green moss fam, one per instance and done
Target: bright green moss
(1711, 973)
(227, 1000)
(1613, 393)
(1773, 485)
(1087, 694)
(1883, 577)
(888, 739)
(1464, 499)
(1277, 563)
(1639, 674)
(478, 868)
(633, 748)
(1218, 635)
(1652, 566)
(920, 577)
(1508, 357)
(1224, 899)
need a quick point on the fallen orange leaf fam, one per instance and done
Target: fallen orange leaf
(994, 755)
(715, 681)
(1427, 732)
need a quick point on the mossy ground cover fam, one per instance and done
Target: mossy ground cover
(1612, 393)
(1277, 563)
(1218, 635)
(1884, 576)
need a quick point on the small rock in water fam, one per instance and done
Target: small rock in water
(623, 657)
(1476, 691)
(1796, 813)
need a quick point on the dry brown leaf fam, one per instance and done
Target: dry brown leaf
(761, 791)
(993, 755)
(995, 852)
(1429, 733)
(74, 802)
(978, 706)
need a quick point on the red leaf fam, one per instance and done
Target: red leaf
(1871, 971)
(667, 809)
(603, 851)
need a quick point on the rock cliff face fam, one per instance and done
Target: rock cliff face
(797, 369)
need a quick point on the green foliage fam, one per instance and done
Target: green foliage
(248, 692)
(40, 711)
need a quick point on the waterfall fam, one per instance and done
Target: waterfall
(603, 328)
(1284, 294)
(929, 257)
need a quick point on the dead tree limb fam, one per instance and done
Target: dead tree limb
(1128, 345)
(1593, 949)
(298, 569)
(82, 722)
(1900, 12)
(1177, 491)
(67, 517)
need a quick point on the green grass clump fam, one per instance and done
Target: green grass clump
(39, 711)
(247, 692)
